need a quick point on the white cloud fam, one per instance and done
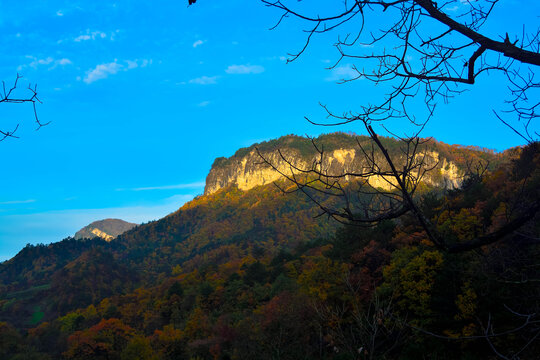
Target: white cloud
(12, 202)
(59, 13)
(131, 64)
(453, 8)
(204, 80)
(36, 62)
(63, 62)
(203, 103)
(102, 71)
(345, 72)
(198, 43)
(92, 35)
(194, 185)
(82, 38)
(244, 69)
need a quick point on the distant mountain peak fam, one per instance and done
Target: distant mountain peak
(106, 229)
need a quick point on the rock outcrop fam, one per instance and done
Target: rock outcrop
(249, 167)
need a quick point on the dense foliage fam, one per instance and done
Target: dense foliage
(461, 155)
(252, 275)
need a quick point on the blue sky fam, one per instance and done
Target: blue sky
(142, 96)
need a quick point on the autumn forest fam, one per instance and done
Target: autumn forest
(369, 240)
(255, 275)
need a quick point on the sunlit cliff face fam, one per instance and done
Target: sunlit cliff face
(102, 234)
(250, 170)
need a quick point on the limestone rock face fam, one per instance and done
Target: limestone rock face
(106, 229)
(102, 234)
(250, 168)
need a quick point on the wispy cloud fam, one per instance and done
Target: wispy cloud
(12, 202)
(244, 69)
(453, 8)
(59, 13)
(132, 64)
(45, 61)
(198, 43)
(63, 61)
(204, 80)
(94, 35)
(52, 62)
(194, 185)
(103, 71)
(203, 103)
(345, 72)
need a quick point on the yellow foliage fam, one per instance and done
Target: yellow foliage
(198, 325)
(177, 270)
(410, 278)
(466, 302)
(323, 278)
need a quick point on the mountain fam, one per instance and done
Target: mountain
(246, 271)
(106, 229)
(240, 210)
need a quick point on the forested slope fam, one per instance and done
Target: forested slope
(252, 274)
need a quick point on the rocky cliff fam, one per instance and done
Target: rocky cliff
(342, 154)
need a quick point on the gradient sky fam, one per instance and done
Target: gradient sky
(142, 96)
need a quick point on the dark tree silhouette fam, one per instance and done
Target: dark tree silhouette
(428, 47)
(9, 95)
(421, 49)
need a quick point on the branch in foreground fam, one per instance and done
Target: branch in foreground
(8, 97)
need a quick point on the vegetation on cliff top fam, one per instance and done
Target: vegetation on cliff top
(459, 154)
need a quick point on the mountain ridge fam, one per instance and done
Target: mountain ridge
(249, 167)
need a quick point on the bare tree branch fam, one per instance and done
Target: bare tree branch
(7, 96)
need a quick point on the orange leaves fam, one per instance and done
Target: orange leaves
(169, 343)
(105, 340)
